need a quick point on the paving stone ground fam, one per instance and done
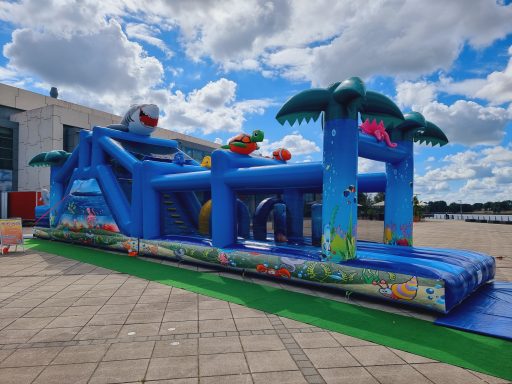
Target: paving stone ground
(62, 321)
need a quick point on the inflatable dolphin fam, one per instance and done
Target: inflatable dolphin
(140, 119)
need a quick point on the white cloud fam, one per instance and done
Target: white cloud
(369, 166)
(63, 17)
(218, 140)
(496, 87)
(295, 143)
(364, 44)
(416, 94)
(100, 67)
(464, 122)
(469, 175)
(343, 38)
(148, 34)
(212, 108)
(497, 155)
(503, 175)
(100, 61)
(469, 123)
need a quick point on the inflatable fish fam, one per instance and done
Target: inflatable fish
(140, 119)
(281, 154)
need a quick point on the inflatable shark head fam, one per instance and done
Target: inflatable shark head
(141, 119)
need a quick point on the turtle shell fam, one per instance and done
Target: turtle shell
(241, 138)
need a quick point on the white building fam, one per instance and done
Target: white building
(31, 123)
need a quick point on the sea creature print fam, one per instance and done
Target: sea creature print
(91, 218)
(281, 272)
(399, 291)
(378, 131)
(223, 258)
(326, 241)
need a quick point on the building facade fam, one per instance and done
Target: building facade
(31, 123)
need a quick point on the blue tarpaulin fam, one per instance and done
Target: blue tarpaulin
(488, 311)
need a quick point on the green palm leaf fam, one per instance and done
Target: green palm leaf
(346, 98)
(432, 135)
(306, 105)
(413, 123)
(381, 108)
(350, 94)
(48, 159)
(339, 100)
(37, 160)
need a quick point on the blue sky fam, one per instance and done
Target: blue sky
(219, 68)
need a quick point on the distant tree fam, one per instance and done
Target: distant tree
(437, 206)
(380, 196)
(478, 206)
(363, 199)
(488, 206)
(467, 208)
(454, 208)
(417, 208)
(505, 205)
(365, 202)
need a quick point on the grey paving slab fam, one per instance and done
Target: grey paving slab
(348, 375)
(228, 379)
(58, 374)
(374, 355)
(182, 347)
(130, 350)
(173, 367)
(222, 364)
(23, 375)
(256, 343)
(119, 371)
(315, 340)
(219, 345)
(81, 354)
(268, 361)
(285, 377)
(440, 373)
(31, 357)
(331, 357)
(217, 325)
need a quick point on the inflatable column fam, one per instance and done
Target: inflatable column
(339, 206)
(295, 203)
(399, 194)
(223, 202)
(56, 195)
(340, 104)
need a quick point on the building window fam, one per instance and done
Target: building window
(6, 158)
(71, 138)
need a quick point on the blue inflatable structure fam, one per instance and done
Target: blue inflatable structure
(124, 190)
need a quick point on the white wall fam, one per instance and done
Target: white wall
(41, 130)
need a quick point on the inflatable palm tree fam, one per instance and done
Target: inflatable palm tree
(340, 104)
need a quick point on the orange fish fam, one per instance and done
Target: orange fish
(282, 154)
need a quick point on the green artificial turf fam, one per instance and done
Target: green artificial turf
(477, 352)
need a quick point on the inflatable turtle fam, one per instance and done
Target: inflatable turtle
(245, 144)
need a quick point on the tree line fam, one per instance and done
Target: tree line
(366, 202)
(441, 206)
